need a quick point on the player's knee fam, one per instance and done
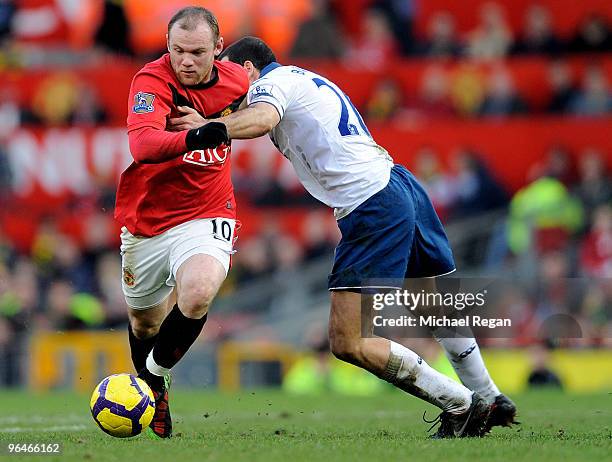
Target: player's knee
(144, 328)
(195, 299)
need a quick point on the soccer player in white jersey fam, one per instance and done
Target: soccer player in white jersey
(389, 229)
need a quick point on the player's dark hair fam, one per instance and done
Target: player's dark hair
(189, 17)
(250, 49)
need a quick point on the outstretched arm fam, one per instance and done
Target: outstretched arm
(252, 122)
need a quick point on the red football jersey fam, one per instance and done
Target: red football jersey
(152, 198)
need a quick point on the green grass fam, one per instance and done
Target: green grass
(271, 426)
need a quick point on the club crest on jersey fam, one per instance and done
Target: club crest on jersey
(128, 277)
(143, 103)
(227, 111)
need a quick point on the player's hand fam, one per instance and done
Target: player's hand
(207, 136)
(189, 119)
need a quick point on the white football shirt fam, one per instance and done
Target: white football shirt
(323, 136)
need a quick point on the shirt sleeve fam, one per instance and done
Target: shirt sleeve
(276, 92)
(149, 102)
(152, 146)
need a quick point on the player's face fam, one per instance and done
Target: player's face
(192, 53)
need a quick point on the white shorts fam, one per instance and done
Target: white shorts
(150, 264)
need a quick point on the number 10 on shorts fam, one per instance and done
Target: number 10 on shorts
(222, 229)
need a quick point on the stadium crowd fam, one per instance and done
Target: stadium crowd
(559, 221)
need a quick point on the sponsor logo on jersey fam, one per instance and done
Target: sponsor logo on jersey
(128, 277)
(207, 157)
(143, 103)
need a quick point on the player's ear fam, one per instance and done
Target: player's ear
(218, 47)
(252, 71)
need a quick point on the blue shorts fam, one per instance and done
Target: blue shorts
(393, 235)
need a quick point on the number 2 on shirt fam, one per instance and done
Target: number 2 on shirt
(344, 126)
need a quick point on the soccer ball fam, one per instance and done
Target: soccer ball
(122, 405)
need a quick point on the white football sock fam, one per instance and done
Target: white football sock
(409, 372)
(155, 368)
(464, 355)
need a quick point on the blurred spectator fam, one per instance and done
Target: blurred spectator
(87, 110)
(317, 238)
(476, 189)
(385, 102)
(55, 98)
(595, 310)
(114, 31)
(400, 15)
(442, 40)
(541, 374)
(376, 45)
(593, 35)
(433, 99)
(562, 85)
(276, 22)
(251, 261)
(538, 35)
(501, 98)
(108, 270)
(542, 216)
(596, 248)
(288, 256)
(318, 36)
(595, 185)
(595, 95)
(492, 37)
(557, 164)
(7, 13)
(467, 90)
(68, 263)
(10, 112)
(68, 310)
(18, 299)
(5, 174)
(440, 187)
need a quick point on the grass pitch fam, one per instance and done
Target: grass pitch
(272, 426)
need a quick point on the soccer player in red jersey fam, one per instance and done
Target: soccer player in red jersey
(176, 200)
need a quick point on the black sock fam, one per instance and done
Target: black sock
(176, 334)
(140, 348)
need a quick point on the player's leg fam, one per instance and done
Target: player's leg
(199, 258)
(148, 296)
(465, 413)
(143, 329)
(198, 280)
(431, 255)
(145, 271)
(461, 348)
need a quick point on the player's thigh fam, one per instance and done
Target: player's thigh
(198, 280)
(431, 253)
(145, 267)
(376, 240)
(200, 259)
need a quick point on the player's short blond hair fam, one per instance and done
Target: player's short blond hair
(190, 17)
